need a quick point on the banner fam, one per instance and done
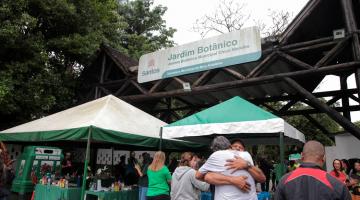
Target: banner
(233, 48)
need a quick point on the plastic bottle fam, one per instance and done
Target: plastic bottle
(48, 178)
(95, 187)
(115, 187)
(98, 185)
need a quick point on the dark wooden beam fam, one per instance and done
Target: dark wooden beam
(155, 86)
(179, 80)
(247, 82)
(353, 97)
(332, 53)
(122, 88)
(289, 105)
(297, 46)
(117, 63)
(97, 93)
(234, 73)
(262, 66)
(356, 47)
(317, 94)
(333, 100)
(345, 123)
(139, 87)
(205, 77)
(345, 98)
(292, 27)
(160, 85)
(108, 70)
(190, 107)
(312, 47)
(106, 91)
(294, 61)
(103, 69)
(307, 43)
(349, 15)
(351, 26)
(357, 80)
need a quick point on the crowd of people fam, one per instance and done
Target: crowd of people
(347, 174)
(230, 173)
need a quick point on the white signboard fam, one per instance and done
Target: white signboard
(228, 49)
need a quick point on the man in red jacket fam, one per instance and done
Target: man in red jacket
(309, 181)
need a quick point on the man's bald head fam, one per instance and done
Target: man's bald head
(313, 151)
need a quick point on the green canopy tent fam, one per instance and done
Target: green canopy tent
(235, 118)
(107, 119)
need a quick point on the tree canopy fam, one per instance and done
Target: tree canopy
(146, 30)
(46, 44)
(230, 15)
(310, 130)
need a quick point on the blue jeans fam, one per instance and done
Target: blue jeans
(142, 193)
(4, 193)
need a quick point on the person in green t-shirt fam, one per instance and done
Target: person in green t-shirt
(159, 178)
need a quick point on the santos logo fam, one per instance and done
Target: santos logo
(152, 68)
(151, 63)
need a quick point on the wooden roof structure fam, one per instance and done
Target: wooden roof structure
(288, 71)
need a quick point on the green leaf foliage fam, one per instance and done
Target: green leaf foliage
(146, 31)
(44, 46)
(310, 131)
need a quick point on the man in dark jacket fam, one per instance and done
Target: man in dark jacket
(309, 181)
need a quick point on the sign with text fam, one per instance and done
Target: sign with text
(228, 49)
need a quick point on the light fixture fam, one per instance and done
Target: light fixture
(186, 86)
(339, 33)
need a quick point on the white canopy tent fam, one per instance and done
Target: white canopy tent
(107, 119)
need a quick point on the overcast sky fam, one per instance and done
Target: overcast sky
(182, 15)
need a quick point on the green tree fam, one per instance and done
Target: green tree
(44, 46)
(146, 31)
(357, 123)
(310, 131)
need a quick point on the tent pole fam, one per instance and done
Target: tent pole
(161, 139)
(282, 154)
(87, 155)
(112, 160)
